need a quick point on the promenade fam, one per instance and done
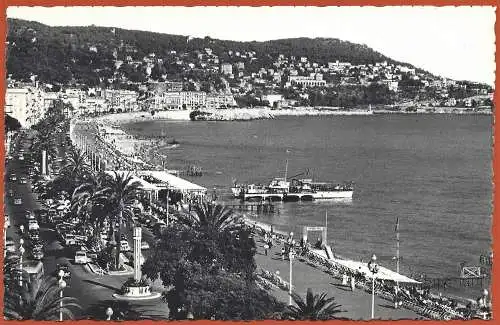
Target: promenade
(357, 304)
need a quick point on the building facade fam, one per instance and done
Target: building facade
(25, 105)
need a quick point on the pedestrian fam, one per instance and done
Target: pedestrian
(344, 279)
(266, 247)
(353, 283)
(283, 253)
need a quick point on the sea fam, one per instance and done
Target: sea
(433, 172)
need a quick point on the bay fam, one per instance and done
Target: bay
(434, 172)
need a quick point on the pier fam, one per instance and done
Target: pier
(260, 207)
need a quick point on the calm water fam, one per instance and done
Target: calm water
(431, 171)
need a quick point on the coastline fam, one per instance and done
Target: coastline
(247, 114)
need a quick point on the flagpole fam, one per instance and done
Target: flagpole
(326, 226)
(397, 249)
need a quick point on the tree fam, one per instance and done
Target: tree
(76, 169)
(210, 217)
(39, 300)
(315, 307)
(223, 297)
(11, 124)
(87, 206)
(119, 193)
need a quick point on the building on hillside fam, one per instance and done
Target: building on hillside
(226, 68)
(25, 105)
(307, 81)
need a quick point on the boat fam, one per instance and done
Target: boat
(279, 189)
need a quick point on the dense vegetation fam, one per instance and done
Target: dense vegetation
(87, 54)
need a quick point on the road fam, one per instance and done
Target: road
(87, 287)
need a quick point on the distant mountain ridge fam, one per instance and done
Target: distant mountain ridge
(89, 54)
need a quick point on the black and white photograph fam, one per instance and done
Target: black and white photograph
(248, 163)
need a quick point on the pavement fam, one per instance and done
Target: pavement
(357, 304)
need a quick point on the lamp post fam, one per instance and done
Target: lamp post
(373, 267)
(109, 313)
(5, 226)
(62, 285)
(21, 251)
(291, 255)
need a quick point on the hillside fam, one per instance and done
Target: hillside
(89, 54)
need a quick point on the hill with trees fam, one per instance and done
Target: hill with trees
(88, 54)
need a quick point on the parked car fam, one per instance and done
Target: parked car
(23, 180)
(124, 246)
(34, 234)
(13, 177)
(68, 239)
(65, 268)
(81, 257)
(33, 225)
(9, 245)
(144, 245)
(37, 254)
(18, 201)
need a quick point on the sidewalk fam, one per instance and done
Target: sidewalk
(357, 304)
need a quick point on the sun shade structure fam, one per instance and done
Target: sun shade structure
(144, 184)
(166, 180)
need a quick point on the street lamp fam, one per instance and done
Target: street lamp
(62, 285)
(291, 255)
(373, 267)
(21, 251)
(5, 226)
(109, 313)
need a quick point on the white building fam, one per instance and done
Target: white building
(25, 105)
(307, 81)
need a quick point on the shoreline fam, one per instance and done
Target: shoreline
(248, 114)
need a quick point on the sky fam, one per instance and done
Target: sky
(453, 42)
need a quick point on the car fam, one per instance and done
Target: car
(18, 201)
(37, 254)
(33, 225)
(21, 157)
(13, 177)
(23, 180)
(64, 268)
(10, 246)
(34, 234)
(11, 192)
(69, 239)
(124, 246)
(81, 257)
(144, 245)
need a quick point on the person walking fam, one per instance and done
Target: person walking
(266, 247)
(283, 253)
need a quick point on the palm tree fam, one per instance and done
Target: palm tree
(39, 300)
(315, 307)
(119, 195)
(86, 206)
(77, 167)
(211, 217)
